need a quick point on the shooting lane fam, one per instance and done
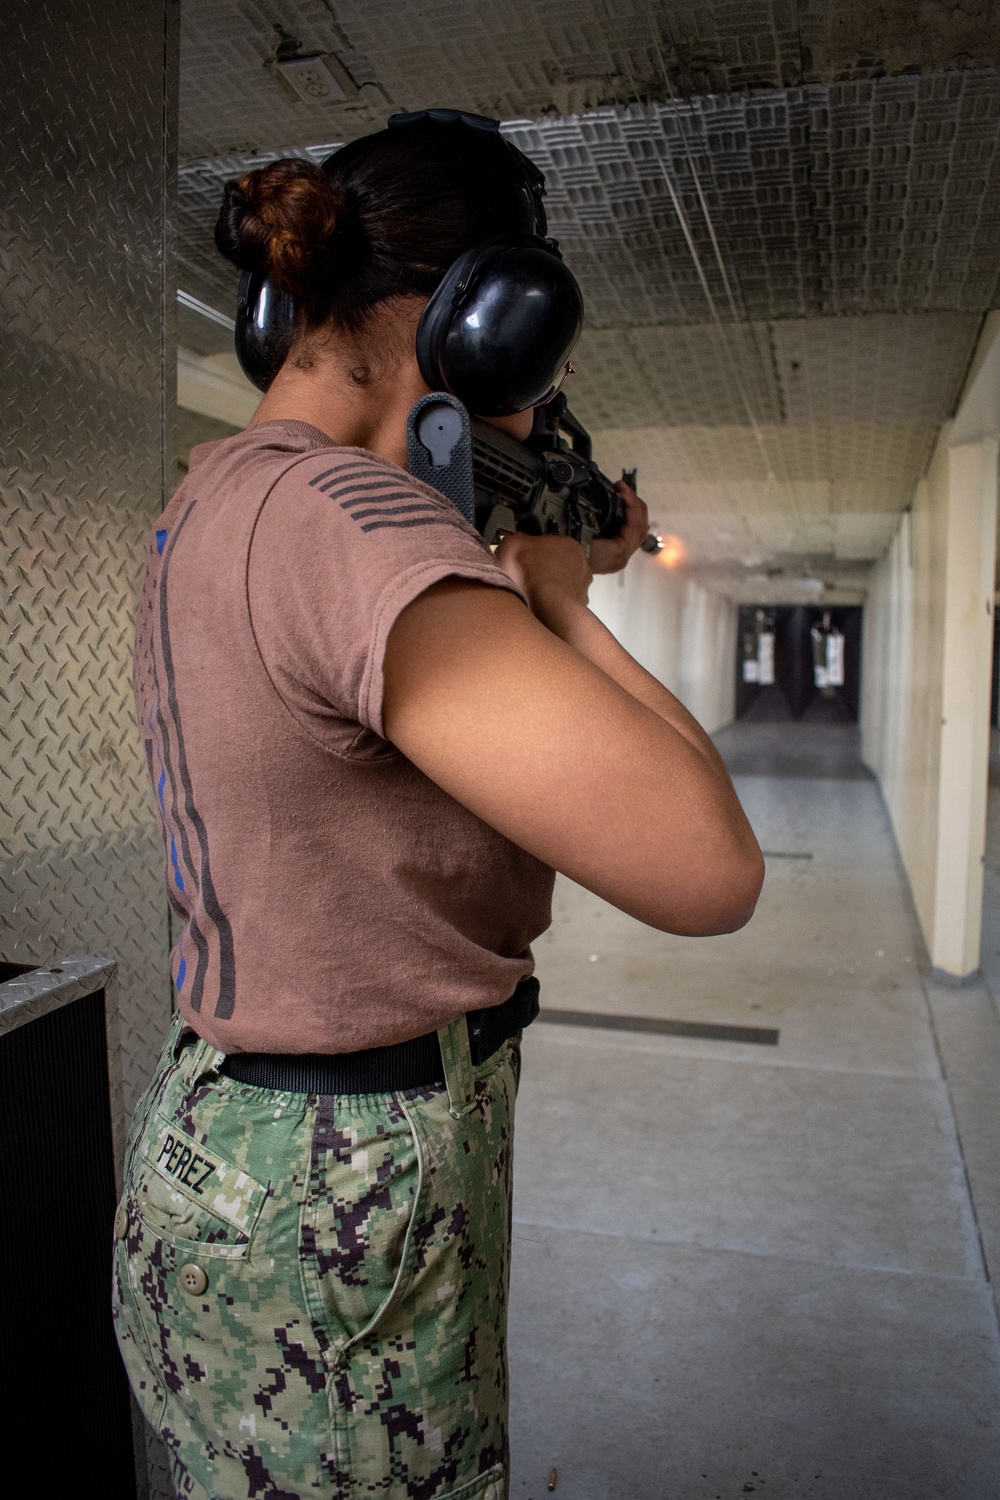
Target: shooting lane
(799, 662)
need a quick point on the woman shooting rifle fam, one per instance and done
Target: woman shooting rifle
(372, 744)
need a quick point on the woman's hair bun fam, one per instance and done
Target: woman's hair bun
(383, 218)
(283, 219)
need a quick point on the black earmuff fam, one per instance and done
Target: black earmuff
(265, 322)
(499, 329)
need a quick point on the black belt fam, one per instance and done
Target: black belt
(384, 1070)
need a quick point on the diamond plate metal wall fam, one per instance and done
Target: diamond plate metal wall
(86, 389)
(87, 301)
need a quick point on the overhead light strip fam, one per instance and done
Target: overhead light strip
(193, 304)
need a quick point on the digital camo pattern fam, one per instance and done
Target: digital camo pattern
(347, 1332)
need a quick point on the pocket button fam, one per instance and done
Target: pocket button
(194, 1280)
(121, 1222)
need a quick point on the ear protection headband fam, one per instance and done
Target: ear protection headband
(498, 329)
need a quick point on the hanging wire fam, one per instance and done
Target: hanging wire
(685, 226)
(737, 370)
(740, 315)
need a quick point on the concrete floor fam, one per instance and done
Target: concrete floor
(745, 1268)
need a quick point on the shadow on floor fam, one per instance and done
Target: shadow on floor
(813, 750)
(771, 706)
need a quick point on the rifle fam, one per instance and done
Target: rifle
(547, 485)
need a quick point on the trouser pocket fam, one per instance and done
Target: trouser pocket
(211, 1318)
(421, 1392)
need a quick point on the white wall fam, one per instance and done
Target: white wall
(927, 657)
(215, 386)
(680, 632)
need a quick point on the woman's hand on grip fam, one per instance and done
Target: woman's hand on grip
(554, 572)
(610, 554)
(551, 571)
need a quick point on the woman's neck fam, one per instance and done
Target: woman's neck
(359, 390)
(354, 415)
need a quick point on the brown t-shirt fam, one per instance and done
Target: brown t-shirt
(330, 897)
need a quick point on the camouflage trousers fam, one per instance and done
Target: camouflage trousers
(310, 1293)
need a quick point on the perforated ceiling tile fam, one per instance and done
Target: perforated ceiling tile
(879, 368)
(866, 468)
(797, 471)
(637, 377)
(864, 535)
(864, 197)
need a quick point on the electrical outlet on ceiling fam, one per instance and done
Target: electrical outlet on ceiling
(318, 79)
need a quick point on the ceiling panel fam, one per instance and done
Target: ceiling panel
(861, 197)
(711, 486)
(785, 219)
(694, 373)
(863, 469)
(881, 369)
(866, 197)
(537, 57)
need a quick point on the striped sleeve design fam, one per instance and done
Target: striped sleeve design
(376, 501)
(345, 542)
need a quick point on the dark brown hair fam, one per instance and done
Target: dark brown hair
(385, 217)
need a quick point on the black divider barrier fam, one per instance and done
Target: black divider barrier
(65, 1420)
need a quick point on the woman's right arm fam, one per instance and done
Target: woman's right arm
(543, 726)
